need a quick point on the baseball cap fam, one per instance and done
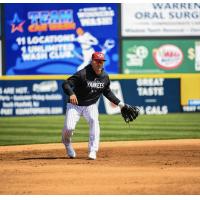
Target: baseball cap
(98, 56)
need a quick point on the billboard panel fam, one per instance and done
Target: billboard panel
(160, 56)
(45, 97)
(24, 98)
(160, 19)
(151, 95)
(190, 94)
(59, 38)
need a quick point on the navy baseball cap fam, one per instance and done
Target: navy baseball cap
(98, 56)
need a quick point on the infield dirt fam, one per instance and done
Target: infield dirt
(134, 167)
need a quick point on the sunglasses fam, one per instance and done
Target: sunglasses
(99, 61)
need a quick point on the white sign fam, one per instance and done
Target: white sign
(161, 19)
(168, 56)
(109, 106)
(197, 56)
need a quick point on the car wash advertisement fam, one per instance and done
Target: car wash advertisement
(161, 56)
(23, 98)
(59, 38)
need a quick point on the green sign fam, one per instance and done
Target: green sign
(160, 56)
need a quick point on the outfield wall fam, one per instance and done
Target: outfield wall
(151, 41)
(155, 94)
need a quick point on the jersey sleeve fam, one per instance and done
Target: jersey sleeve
(109, 94)
(72, 82)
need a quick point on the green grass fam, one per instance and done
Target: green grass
(47, 129)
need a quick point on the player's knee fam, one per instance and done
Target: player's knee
(67, 132)
(93, 120)
(70, 127)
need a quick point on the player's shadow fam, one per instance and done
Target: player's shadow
(42, 158)
(51, 158)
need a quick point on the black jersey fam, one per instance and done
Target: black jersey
(88, 86)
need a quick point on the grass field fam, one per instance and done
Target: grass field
(47, 129)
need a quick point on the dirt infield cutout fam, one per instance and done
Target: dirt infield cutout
(133, 167)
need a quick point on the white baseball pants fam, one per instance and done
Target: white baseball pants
(91, 114)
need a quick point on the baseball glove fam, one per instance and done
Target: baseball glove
(129, 113)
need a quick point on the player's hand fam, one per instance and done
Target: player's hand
(73, 99)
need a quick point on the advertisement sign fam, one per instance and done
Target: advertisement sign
(151, 95)
(39, 97)
(45, 97)
(160, 19)
(59, 38)
(161, 56)
(190, 93)
(191, 108)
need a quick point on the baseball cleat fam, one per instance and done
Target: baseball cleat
(92, 155)
(70, 152)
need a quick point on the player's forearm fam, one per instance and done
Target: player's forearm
(111, 97)
(67, 88)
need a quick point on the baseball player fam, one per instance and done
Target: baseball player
(84, 88)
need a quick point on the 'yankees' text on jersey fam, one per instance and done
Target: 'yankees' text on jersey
(95, 84)
(88, 86)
